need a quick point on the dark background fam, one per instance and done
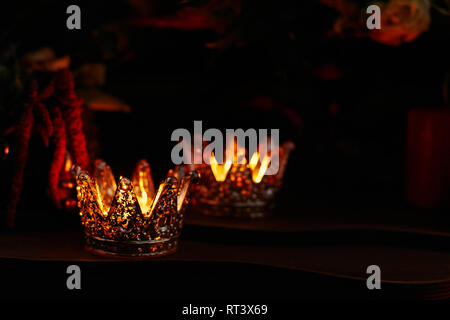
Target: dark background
(349, 130)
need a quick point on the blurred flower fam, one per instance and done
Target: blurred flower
(216, 15)
(97, 100)
(90, 75)
(402, 21)
(44, 59)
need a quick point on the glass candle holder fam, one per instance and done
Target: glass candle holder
(239, 190)
(131, 219)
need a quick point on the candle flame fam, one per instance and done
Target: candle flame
(254, 161)
(144, 202)
(220, 171)
(121, 202)
(259, 170)
(257, 166)
(143, 186)
(105, 185)
(68, 164)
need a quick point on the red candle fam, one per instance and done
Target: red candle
(428, 158)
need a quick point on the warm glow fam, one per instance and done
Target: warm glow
(158, 195)
(143, 197)
(254, 161)
(257, 167)
(68, 164)
(143, 186)
(239, 155)
(103, 208)
(185, 182)
(105, 185)
(258, 172)
(144, 202)
(6, 150)
(180, 199)
(220, 171)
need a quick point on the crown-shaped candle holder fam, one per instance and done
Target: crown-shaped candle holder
(131, 219)
(240, 190)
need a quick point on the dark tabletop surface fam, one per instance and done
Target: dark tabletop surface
(220, 258)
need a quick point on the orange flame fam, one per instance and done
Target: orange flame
(145, 202)
(259, 169)
(220, 171)
(105, 185)
(143, 186)
(257, 166)
(68, 164)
